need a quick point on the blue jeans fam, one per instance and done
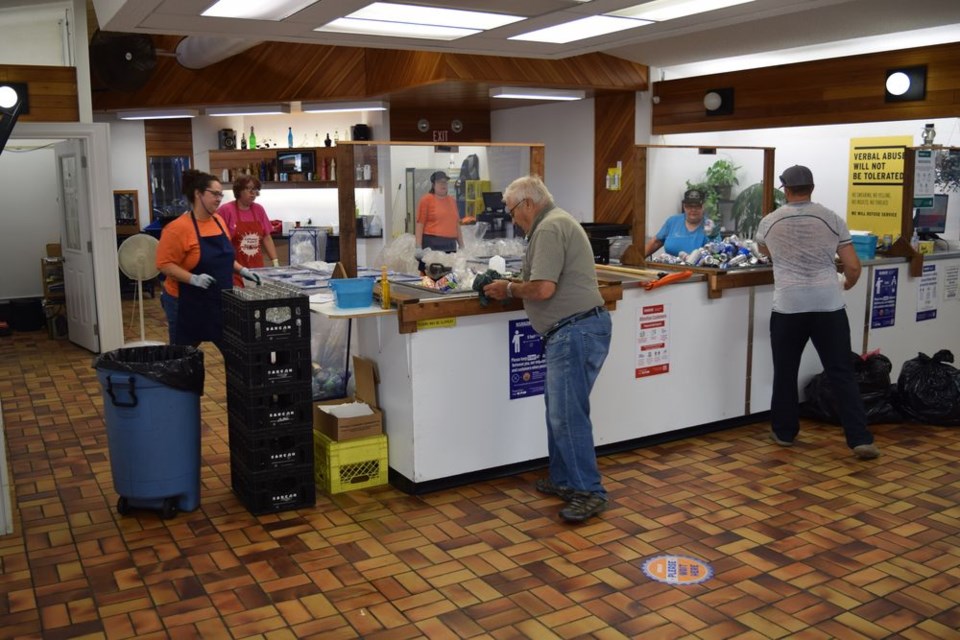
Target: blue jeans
(170, 306)
(575, 354)
(830, 333)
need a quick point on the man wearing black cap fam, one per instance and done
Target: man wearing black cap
(803, 238)
(438, 223)
(682, 232)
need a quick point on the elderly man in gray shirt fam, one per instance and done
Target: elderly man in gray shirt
(559, 290)
(803, 238)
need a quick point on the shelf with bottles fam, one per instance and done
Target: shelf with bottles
(263, 163)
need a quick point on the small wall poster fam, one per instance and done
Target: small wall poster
(951, 278)
(653, 340)
(528, 363)
(927, 301)
(883, 312)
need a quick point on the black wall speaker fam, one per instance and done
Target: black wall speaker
(228, 139)
(360, 132)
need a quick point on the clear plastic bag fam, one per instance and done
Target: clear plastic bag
(329, 368)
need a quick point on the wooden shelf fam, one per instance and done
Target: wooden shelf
(250, 160)
(51, 275)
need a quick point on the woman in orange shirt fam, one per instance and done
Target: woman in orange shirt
(196, 256)
(438, 223)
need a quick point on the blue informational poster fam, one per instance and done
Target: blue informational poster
(528, 364)
(883, 312)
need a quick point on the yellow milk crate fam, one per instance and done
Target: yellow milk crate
(359, 463)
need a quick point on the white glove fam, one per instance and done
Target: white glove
(418, 253)
(202, 280)
(275, 262)
(249, 275)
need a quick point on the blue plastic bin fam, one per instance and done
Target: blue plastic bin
(865, 246)
(352, 293)
(153, 429)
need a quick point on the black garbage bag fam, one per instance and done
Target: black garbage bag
(876, 392)
(176, 366)
(928, 389)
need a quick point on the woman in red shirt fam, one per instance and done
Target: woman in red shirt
(248, 225)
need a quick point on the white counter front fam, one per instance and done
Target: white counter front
(445, 391)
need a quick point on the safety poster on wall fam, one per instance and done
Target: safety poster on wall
(528, 364)
(883, 311)
(927, 301)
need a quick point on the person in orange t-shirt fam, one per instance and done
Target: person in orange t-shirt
(196, 256)
(438, 223)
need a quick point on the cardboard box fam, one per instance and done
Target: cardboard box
(339, 429)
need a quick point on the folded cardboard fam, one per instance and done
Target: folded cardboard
(339, 429)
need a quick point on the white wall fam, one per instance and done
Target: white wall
(29, 216)
(567, 131)
(34, 35)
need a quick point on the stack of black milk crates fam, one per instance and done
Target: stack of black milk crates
(266, 351)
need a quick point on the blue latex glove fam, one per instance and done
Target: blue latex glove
(202, 280)
(246, 274)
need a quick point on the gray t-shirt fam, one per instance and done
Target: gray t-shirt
(803, 238)
(559, 251)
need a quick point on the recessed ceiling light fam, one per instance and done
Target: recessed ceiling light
(660, 10)
(535, 93)
(581, 29)
(414, 14)
(395, 29)
(257, 9)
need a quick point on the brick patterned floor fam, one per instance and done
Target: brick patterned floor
(805, 542)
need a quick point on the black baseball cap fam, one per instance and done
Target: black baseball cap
(797, 176)
(693, 196)
(438, 175)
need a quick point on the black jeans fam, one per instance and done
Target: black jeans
(830, 333)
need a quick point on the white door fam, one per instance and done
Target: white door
(77, 243)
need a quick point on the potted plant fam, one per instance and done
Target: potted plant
(748, 208)
(722, 176)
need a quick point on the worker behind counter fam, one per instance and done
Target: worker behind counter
(683, 232)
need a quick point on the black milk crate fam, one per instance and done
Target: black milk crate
(272, 491)
(265, 365)
(267, 320)
(272, 449)
(273, 408)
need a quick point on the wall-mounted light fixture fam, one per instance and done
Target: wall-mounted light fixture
(534, 93)
(718, 102)
(906, 84)
(249, 110)
(157, 114)
(342, 107)
(13, 102)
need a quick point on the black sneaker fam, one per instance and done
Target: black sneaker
(582, 506)
(544, 485)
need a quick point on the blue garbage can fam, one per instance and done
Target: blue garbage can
(151, 406)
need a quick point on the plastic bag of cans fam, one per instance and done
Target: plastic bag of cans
(731, 253)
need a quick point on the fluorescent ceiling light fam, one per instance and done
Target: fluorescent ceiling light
(257, 9)
(395, 29)
(341, 107)
(435, 16)
(533, 93)
(157, 114)
(248, 110)
(580, 29)
(660, 10)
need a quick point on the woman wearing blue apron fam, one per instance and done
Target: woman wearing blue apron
(196, 256)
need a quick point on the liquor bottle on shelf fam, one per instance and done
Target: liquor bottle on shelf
(336, 136)
(290, 137)
(327, 141)
(253, 138)
(316, 139)
(243, 141)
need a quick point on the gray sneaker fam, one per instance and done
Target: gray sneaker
(866, 451)
(782, 443)
(583, 506)
(544, 485)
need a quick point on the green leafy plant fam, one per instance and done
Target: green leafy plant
(748, 208)
(722, 173)
(721, 176)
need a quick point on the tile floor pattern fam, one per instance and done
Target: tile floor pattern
(805, 542)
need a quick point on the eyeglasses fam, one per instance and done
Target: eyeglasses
(255, 192)
(514, 207)
(216, 194)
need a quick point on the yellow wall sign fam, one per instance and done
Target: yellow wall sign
(437, 323)
(875, 199)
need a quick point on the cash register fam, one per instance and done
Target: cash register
(495, 215)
